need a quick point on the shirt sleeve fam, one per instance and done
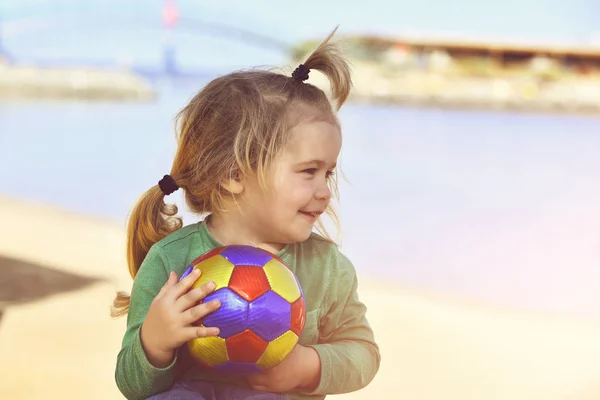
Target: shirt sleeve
(136, 378)
(349, 356)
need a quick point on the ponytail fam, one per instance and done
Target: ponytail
(327, 59)
(150, 221)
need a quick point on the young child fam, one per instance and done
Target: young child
(257, 153)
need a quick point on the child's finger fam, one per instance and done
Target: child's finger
(195, 332)
(258, 381)
(170, 282)
(193, 314)
(185, 284)
(194, 296)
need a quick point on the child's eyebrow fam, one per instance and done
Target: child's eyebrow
(320, 163)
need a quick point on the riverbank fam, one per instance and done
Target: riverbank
(374, 84)
(469, 74)
(433, 346)
(45, 83)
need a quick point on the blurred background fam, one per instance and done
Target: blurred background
(471, 208)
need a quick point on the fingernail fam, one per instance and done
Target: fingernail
(211, 285)
(196, 271)
(216, 303)
(185, 273)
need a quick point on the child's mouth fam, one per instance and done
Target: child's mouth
(313, 215)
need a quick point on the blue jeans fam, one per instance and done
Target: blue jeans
(192, 390)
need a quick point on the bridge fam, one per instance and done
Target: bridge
(169, 21)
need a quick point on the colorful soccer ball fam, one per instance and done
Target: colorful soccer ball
(262, 311)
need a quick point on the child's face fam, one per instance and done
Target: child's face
(299, 192)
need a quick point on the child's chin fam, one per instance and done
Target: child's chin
(305, 236)
(302, 236)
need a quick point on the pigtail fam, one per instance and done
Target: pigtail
(327, 58)
(150, 221)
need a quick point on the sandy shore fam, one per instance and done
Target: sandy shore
(64, 345)
(32, 82)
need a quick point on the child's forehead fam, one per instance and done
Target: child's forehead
(302, 113)
(314, 140)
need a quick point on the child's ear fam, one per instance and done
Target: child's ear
(233, 184)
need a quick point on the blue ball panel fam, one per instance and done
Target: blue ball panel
(231, 317)
(237, 368)
(269, 316)
(246, 255)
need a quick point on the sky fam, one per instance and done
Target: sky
(130, 29)
(550, 20)
(539, 20)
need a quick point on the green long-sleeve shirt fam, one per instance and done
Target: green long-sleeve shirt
(336, 325)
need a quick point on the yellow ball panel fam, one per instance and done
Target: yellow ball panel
(282, 280)
(212, 348)
(217, 269)
(277, 350)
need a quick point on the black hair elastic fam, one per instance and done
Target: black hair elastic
(301, 73)
(168, 185)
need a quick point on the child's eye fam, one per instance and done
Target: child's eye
(313, 171)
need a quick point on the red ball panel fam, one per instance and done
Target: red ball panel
(249, 282)
(298, 316)
(207, 255)
(245, 347)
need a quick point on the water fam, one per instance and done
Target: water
(501, 207)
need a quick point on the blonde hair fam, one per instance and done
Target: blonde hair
(236, 124)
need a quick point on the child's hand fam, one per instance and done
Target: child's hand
(168, 324)
(301, 369)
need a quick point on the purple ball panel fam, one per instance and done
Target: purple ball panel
(231, 317)
(269, 316)
(246, 255)
(299, 286)
(236, 368)
(187, 271)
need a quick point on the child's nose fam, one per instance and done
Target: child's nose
(323, 193)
